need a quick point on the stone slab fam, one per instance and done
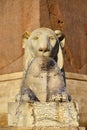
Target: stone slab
(40, 128)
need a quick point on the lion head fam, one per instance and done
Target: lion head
(44, 42)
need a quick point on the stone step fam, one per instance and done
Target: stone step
(42, 128)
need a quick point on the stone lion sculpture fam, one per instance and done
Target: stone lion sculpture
(44, 42)
(43, 47)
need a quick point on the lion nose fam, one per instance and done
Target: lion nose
(44, 49)
(44, 44)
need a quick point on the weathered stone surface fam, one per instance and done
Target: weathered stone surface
(43, 114)
(78, 93)
(45, 80)
(20, 115)
(82, 128)
(41, 128)
(70, 16)
(16, 17)
(3, 119)
(56, 114)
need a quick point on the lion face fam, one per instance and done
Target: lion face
(41, 42)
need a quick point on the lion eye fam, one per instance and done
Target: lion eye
(35, 38)
(51, 38)
(55, 74)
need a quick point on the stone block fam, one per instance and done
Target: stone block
(82, 128)
(20, 115)
(43, 114)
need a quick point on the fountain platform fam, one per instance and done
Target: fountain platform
(48, 115)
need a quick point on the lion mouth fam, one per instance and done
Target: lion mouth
(47, 54)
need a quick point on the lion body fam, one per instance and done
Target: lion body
(43, 84)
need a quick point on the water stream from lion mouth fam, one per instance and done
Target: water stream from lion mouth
(47, 65)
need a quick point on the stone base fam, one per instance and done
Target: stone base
(43, 115)
(42, 128)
